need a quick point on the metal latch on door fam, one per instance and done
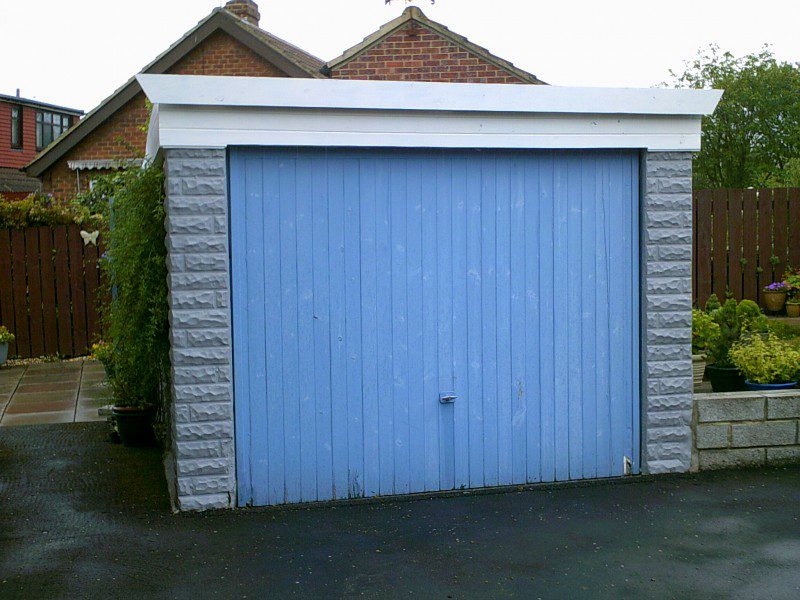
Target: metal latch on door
(447, 398)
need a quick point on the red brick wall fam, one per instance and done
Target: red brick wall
(121, 136)
(417, 53)
(18, 157)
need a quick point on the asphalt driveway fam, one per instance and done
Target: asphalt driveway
(81, 518)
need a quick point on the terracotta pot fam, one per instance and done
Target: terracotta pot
(793, 310)
(774, 301)
(698, 368)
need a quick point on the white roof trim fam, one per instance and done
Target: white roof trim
(275, 92)
(217, 112)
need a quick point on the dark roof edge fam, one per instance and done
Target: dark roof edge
(218, 19)
(415, 14)
(38, 104)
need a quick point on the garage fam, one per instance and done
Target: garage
(423, 320)
(386, 288)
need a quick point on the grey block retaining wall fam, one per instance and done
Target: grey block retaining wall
(200, 332)
(666, 278)
(200, 317)
(742, 429)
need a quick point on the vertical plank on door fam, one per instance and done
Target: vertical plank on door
(398, 325)
(489, 316)
(574, 288)
(369, 325)
(518, 390)
(588, 316)
(305, 328)
(505, 392)
(561, 322)
(460, 322)
(474, 321)
(546, 251)
(290, 393)
(352, 274)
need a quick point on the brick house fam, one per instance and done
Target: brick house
(229, 42)
(26, 127)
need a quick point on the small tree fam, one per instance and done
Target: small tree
(753, 137)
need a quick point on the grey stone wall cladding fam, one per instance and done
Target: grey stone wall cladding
(200, 319)
(746, 429)
(666, 278)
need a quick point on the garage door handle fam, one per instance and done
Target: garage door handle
(447, 398)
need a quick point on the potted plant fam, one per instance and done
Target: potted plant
(6, 337)
(767, 364)
(775, 295)
(723, 374)
(793, 307)
(704, 329)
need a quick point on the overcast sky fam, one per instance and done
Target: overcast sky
(76, 52)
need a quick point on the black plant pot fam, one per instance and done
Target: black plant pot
(725, 379)
(134, 425)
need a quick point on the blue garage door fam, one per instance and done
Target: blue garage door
(407, 321)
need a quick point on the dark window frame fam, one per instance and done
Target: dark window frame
(50, 126)
(17, 127)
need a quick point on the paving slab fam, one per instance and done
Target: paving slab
(52, 393)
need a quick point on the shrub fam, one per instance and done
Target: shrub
(38, 209)
(770, 361)
(135, 265)
(751, 318)
(704, 330)
(6, 337)
(729, 331)
(712, 303)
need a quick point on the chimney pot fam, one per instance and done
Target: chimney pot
(244, 9)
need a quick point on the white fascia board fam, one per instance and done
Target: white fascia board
(281, 92)
(220, 127)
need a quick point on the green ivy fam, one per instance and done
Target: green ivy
(135, 268)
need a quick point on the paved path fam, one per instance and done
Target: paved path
(58, 392)
(83, 518)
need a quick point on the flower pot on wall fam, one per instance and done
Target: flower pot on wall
(774, 301)
(134, 425)
(3, 353)
(698, 368)
(793, 310)
(725, 379)
(770, 386)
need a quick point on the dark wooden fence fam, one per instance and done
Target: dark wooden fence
(743, 240)
(49, 290)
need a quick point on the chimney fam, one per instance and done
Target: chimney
(244, 9)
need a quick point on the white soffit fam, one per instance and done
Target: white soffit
(201, 111)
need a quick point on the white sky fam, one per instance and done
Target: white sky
(76, 52)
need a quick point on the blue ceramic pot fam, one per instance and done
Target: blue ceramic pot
(770, 386)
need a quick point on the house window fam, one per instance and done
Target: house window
(49, 127)
(16, 127)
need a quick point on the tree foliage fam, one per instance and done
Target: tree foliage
(753, 137)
